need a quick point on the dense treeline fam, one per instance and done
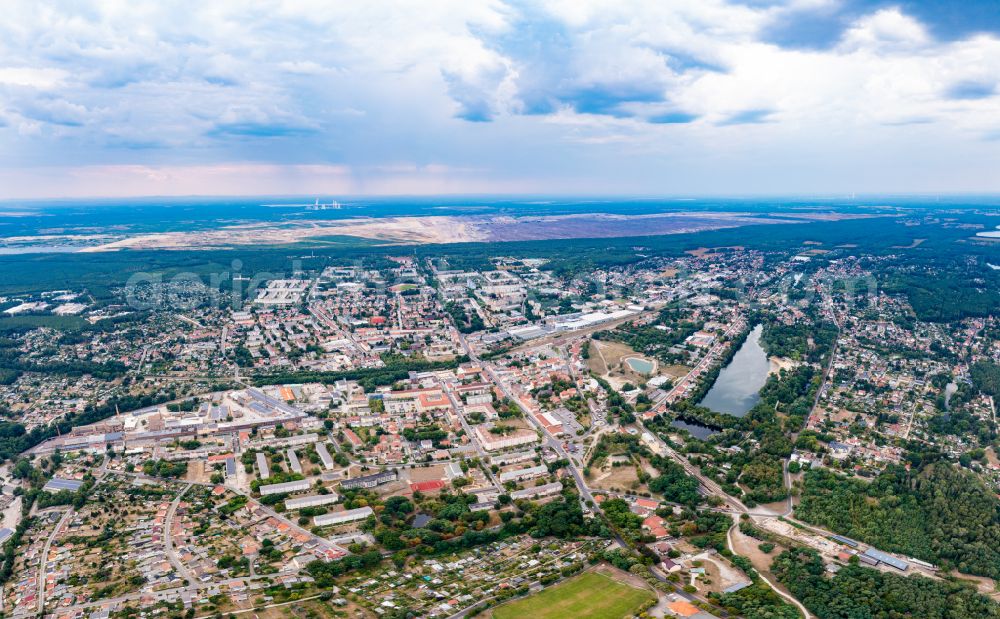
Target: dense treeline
(985, 376)
(857, 592)
(674, 483)
(946, 290)
(938, 513)
(395, 370)
(326, 572)
(454, 526)
(758, 601)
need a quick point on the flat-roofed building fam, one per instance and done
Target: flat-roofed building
(289, 486)
(888, 559)
(263, 470)
(313, 500)
(324, 455)
(512, 458)
(349, 515)
(493, 442)
(538, 491)
(370, 481)
(293, 461)
(522, 474)
(56, 484)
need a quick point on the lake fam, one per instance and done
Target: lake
(735, 390)
(640, 365)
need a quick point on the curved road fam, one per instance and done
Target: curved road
(169, 537)
(729, 543)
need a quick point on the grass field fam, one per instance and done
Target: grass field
(588, 596)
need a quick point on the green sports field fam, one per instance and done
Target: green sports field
(588, 596)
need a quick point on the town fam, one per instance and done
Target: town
(407, 435)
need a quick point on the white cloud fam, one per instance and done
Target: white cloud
(886, 30)
(41, 78)
(570, 87)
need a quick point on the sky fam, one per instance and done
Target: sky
(656, 97)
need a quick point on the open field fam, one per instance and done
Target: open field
(590, 596)
(609, 360)
(427, 229)
(616, 478)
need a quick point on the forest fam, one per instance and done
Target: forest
(857, 592)
(800, 341)
(936, 512)
(985, 376)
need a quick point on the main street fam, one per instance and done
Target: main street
(548, 439)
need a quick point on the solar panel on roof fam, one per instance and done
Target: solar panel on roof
(55, 484)
(886, 558)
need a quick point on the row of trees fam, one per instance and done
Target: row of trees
(395, 370)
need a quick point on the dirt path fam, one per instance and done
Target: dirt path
(727, 574)
(747, 546)
(600, 353)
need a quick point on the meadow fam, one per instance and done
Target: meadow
(590, 595)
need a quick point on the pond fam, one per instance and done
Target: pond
(735, 390)
(640, 365)
(694, 429)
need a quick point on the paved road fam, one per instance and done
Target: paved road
(169, 538)
(457, 406)
(44, 562)
(549, 440)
